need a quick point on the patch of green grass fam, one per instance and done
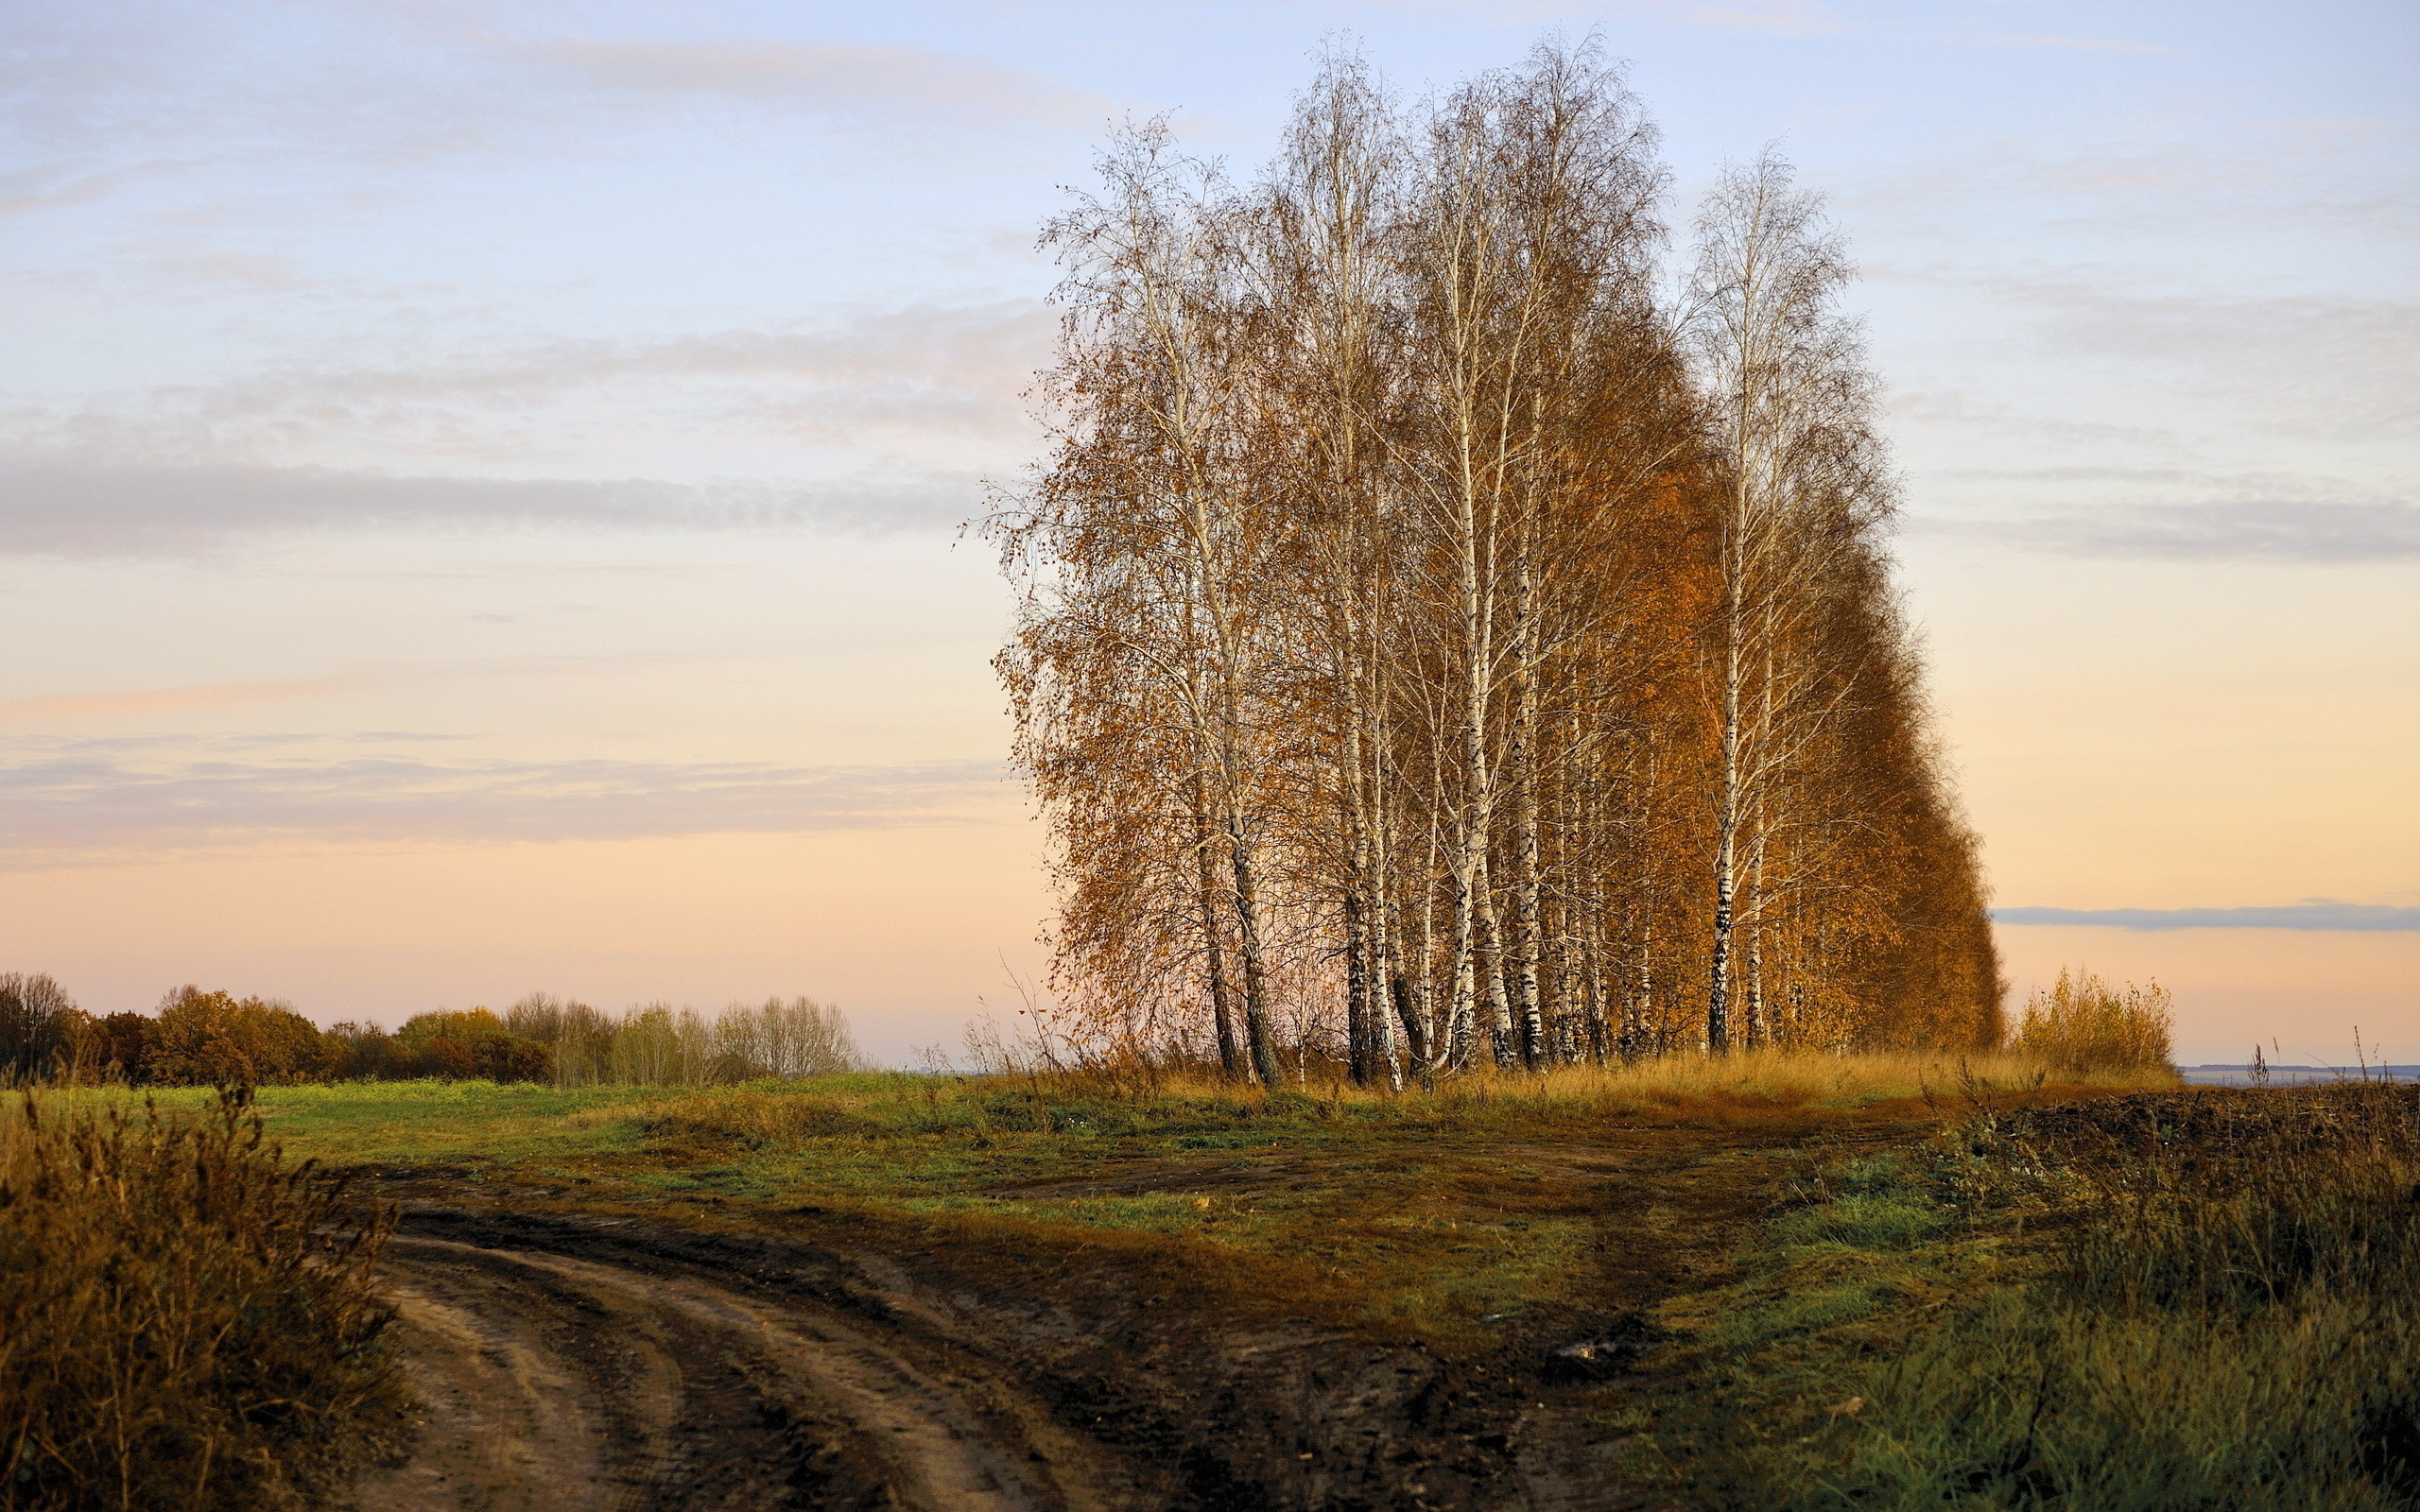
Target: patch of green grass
(1492, 1215)
(1862, 1220)
(2158, 1304)
(410, 1122)
(1442, 1215)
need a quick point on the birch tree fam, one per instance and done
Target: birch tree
(1804, 493)
(1430, 643)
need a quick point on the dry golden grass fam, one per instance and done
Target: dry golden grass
(2083, 1024)
(1142, 1099)
(1790, 1076)
(189, 1320)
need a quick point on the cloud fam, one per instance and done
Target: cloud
(2303, 359)
(920, 373)
(2087, 45)
(2315, 533)
(400, 84)
(49, 187)
(904, 408)
(2226, 370)
(2264, 180)
(2333, 365)
(902, 84)
(75, 509)
(1962, 407)
(2313, 914)
(84, 804)
(153, 700)
(1772, 17)
(1785, 18)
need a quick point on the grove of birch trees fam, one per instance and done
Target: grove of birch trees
(1456, 628)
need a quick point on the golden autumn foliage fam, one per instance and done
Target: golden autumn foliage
(1440, 644)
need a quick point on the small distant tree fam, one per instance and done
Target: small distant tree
(578, 1039)
(540, 1037)
(2082, 1023)
(647, 1047)
(800, 1037)
(368, 1053)
(37, 1025)
(120, 1046)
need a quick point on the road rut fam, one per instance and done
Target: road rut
(556, 1383)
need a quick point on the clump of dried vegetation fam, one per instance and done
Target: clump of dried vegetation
(186, 1319)
(2182, 1300)
(2082, 1023)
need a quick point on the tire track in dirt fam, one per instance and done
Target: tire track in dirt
(556, 1383)
(579, 1360)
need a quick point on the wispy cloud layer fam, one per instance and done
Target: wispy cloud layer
(894, 412)
(928, 372)
(2302, 364)
(2314, 914)
(83, 805)
(2303, 533)
(401, 82)
(1783, 18)
(159, 701)
(2083, 44)
(826, 78)
(84, 510)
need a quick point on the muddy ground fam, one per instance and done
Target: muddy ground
(571, 1362)
(722, 1358)
(575, 1360)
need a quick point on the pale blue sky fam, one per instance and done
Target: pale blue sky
(425, 425)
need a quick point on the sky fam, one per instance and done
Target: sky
(480, 484)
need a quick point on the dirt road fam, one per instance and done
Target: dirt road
(556, 1383)
(570, 1363)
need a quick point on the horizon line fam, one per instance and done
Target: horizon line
(2314, 914)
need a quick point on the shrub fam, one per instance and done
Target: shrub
(217, 1040)
(2084, 1024)
(189, 1320)
(460, 1045)
(364, 1052)
(2165, 1302)
(2227, 1321)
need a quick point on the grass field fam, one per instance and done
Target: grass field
(1486, 1215)
(1817, 1282)
(2157, 1302)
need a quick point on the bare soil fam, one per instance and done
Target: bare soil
(569, 1363)
(574, 1359)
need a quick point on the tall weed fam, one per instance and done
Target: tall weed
(186, 1320)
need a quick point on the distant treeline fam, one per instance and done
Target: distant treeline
(215, 1038)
